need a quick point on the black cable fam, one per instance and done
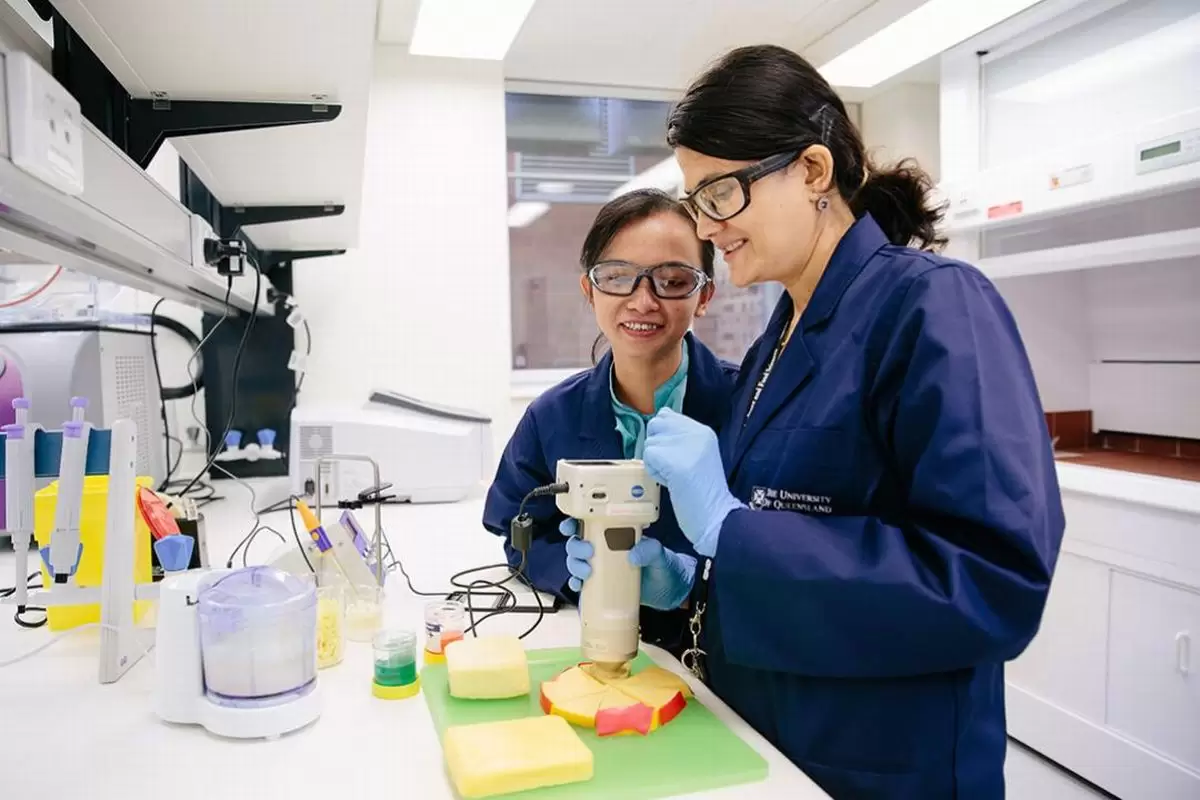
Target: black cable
(17, 616)
(172, 467)
(237, 365)
(247, 540)
(307, 353)
(161, 392)
(188, 335)
(521, 536)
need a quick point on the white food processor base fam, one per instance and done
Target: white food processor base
(259, 723)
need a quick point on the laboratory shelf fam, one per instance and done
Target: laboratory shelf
(1145, 249)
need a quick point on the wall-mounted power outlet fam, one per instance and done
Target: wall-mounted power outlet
(45, 126)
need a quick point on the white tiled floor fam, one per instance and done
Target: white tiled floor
(1031, 777)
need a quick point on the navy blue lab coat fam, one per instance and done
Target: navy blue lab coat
(903, 524)
(575, 420)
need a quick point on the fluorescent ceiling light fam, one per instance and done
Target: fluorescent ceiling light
(1114, 65)
(664, 175)
(522, 214)
(481, 29)
(918, 36)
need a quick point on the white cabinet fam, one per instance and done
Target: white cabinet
(1153, 685)
(1060, 664)
(1110, 686)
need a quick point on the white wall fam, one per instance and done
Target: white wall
(422, 305)
(1052, 314)
(1147, 312)
(903, 122)
(1138, 313)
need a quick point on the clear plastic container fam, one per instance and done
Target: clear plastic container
(445, 622)
(395, 657)
(364, 612)
(331, 626)
(258, 636)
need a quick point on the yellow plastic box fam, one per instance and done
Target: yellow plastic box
(93, 517)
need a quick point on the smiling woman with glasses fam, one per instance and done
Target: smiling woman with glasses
(646, 277)
(879, 519)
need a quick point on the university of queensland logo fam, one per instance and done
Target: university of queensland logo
(758, 498)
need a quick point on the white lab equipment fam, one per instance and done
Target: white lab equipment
(348, 558)
(30, 453)
(428, 453)
(236, 652)
(113, 368)
(613, 501)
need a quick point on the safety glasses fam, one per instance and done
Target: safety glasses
(667, 281)
(726, 196)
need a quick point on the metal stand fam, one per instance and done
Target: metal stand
(377, 541)
(30, 453)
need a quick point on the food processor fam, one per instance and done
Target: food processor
(237, 652)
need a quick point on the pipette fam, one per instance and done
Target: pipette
(65, 547)
(18, 491)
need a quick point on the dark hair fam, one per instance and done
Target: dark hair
(626, 209)
(762, 100)
(623, 211)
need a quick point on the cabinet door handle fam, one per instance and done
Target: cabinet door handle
(1183, 652)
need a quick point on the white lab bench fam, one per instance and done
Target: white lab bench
(66, 735)
(1110, 687)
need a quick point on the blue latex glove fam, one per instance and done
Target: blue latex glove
(666, 575)
(684, 456)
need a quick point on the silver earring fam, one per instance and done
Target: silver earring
(822, 204)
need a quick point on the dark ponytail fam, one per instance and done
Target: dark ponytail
(618, 214)
(763, 100)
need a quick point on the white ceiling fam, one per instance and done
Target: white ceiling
(270, 50)
(660, 45)
(290, 50)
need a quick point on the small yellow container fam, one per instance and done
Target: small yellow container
(93, 517)
(331, 626)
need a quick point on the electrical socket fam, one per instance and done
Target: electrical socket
(45, 125)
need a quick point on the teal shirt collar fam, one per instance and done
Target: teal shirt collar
(631, 423)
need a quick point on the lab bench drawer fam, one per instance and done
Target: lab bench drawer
(1154, 666)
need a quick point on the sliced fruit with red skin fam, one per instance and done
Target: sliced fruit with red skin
(671, 710)
(574, 696)
(613, 706)
(657, 678)
(635, 718)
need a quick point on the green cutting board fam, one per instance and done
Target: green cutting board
(694, 752)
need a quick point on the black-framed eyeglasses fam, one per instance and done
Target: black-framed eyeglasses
(669, 281)
(725, 196)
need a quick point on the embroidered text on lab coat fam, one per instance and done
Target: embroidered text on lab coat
(764, 498)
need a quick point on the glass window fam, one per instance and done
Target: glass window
(567, 157)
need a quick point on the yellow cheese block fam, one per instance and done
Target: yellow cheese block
(487, 668)
(492, 758)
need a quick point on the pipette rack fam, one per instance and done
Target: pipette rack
(29, 453)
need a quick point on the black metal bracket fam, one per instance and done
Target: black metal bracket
(140, 126)
(149, 123)
(270, 259)
(43, 8)
(227, 221)
(231, 219)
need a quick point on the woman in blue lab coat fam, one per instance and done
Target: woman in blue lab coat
(647, 277)
(880, 517)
